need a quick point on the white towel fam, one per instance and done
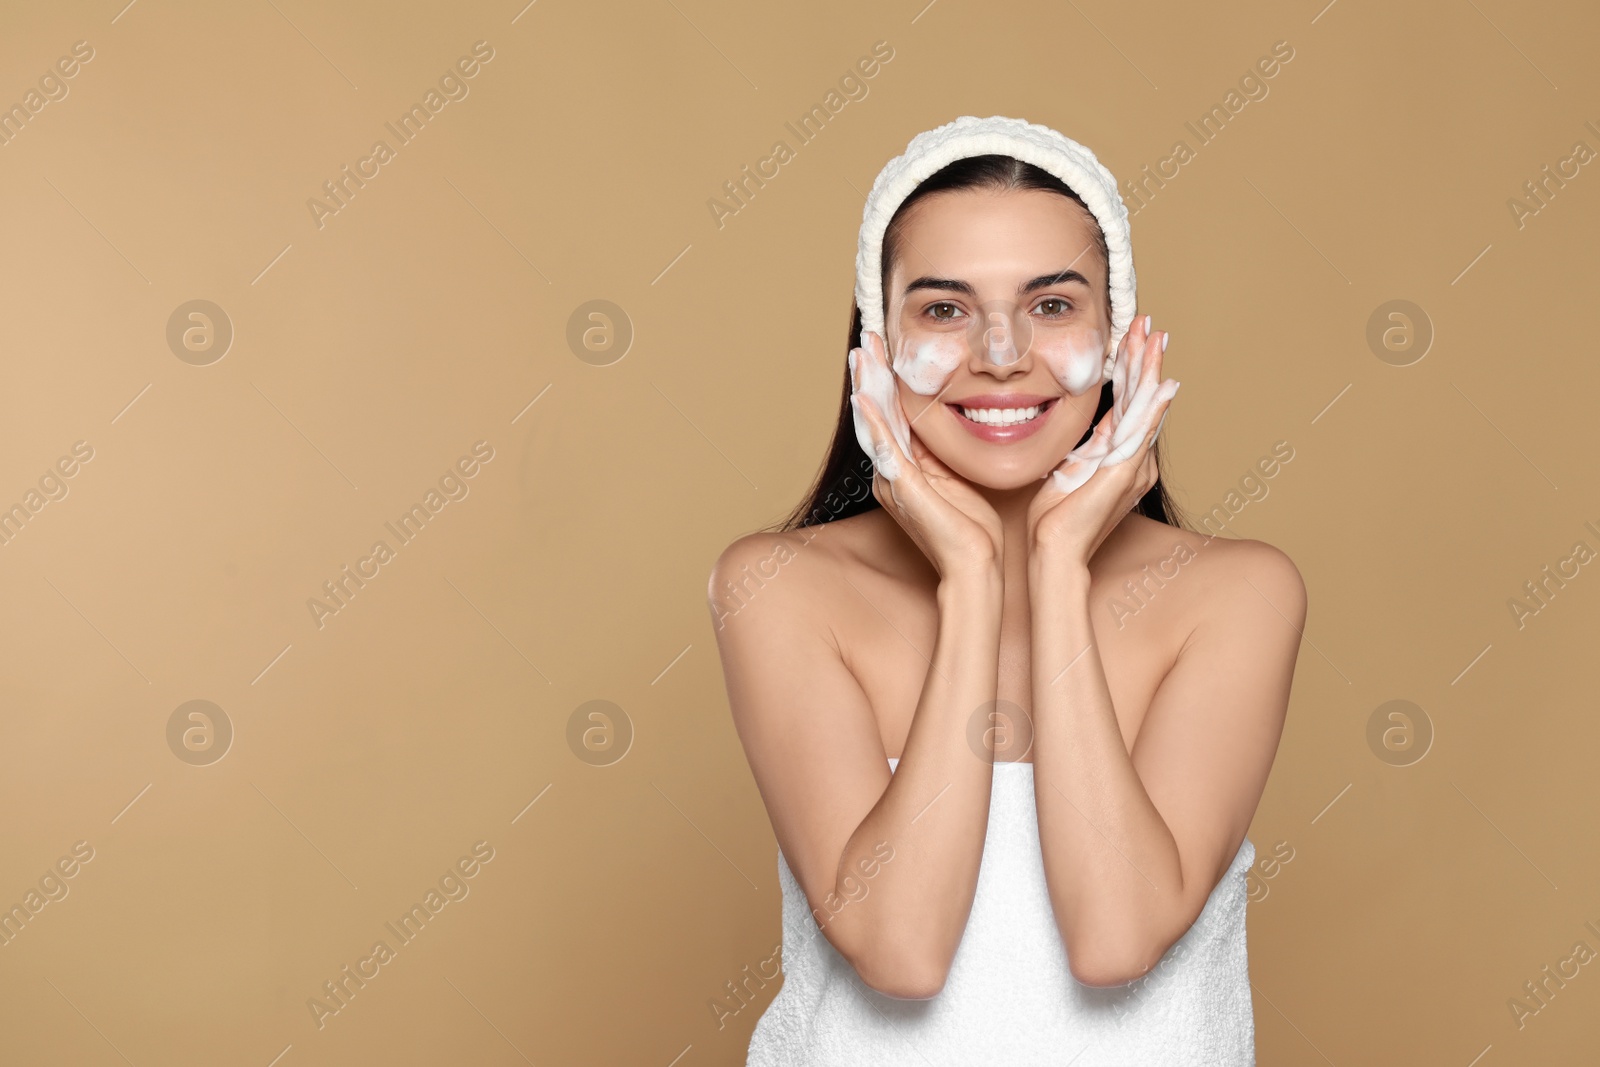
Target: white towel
(1010, 999)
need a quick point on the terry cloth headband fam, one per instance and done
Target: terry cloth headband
(967, 136)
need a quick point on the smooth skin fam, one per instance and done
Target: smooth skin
(889, 633)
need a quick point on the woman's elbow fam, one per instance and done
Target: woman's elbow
(904, 984)
(1112, 968)
(1102, 974)
(902, 975)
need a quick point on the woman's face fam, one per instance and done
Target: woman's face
(997, 330)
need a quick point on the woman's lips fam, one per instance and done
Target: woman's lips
(997, 433)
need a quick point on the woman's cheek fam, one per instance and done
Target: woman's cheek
(926, 365)
(1077, 363)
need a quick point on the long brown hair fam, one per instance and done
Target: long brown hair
(843, 487)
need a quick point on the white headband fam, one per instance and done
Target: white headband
(967, 136)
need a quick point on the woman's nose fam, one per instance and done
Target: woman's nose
(996, 339)
(999, 340)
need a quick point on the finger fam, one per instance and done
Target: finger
(1119, 371)
(1098, 442)
(1119, 375)
(1147, 365)
(1109, 446)
(868, 380)
(1155, 354)
(1135, 432)
(898, 480)
(1081, 462)
(1139, 436)
(864, 426)
(1064, 480)
(1138, 339)
(874, 436)
(1160, 424)
(1143, 397)
(1094, 447)
(880, 383)
(1131, 423)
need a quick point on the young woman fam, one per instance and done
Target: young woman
(1009, 718)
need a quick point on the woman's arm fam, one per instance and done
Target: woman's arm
(815, 751)
(812, 739)
(1134, 843)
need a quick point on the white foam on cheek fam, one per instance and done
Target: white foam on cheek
(1078, 363)
(930, 364)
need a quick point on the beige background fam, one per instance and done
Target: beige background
(370, 753)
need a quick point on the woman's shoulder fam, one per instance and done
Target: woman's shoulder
(1153, 553)
(803, 563)
(825, 543)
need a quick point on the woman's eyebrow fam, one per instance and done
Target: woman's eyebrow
(1043, 281)
(929, 282)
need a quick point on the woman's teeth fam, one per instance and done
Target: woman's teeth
(1002, 416)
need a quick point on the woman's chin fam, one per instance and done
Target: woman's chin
(1000, 474)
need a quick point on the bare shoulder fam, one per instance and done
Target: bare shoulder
(796, 568)
(787, 647)
(1256, 571)
(1212, 575)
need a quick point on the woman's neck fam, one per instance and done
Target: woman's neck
(1012, 507)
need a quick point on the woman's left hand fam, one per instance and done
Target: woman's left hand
(1102, 480)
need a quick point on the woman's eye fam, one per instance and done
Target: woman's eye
(1054, 306)
(934, 310)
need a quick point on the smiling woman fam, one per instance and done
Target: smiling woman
(1048, 857)
(1074, 341)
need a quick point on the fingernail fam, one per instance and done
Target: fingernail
(1163, 342)
(852, 363)
(1147, 325)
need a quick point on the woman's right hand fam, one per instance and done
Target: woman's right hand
(950, 521)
